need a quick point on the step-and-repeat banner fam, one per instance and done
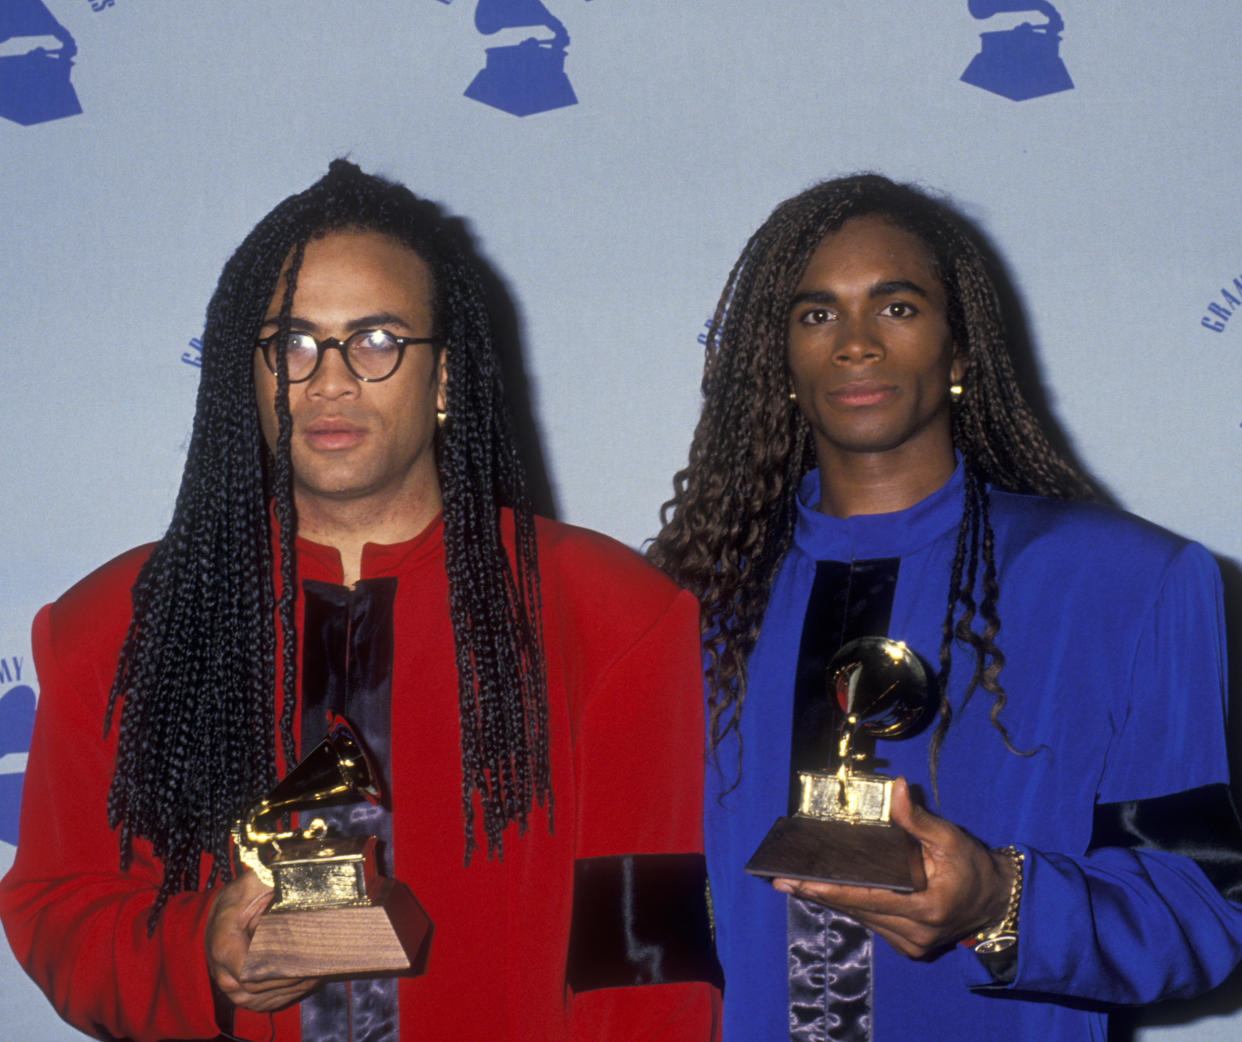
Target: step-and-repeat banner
(611, 156)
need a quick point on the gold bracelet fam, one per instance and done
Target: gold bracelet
(1004, 935)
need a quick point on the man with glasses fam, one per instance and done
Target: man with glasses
(353, 535)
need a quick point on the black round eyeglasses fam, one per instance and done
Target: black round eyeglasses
(370, 354)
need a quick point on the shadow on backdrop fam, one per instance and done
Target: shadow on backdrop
(1023, 351)
(507, 329)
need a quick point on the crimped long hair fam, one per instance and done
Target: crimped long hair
(731, 519)
(196, 682)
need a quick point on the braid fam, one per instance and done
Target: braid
(975, 542)
(286, 523)
(500, 665)
(731, 518)
(194, 684)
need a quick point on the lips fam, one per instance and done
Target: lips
(862, 393)
(330, 433)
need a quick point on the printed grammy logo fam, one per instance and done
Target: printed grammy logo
(36, 55)
(1023, 62)
(17, 710)
(525, 77)
(1223, 308)
(193, 354)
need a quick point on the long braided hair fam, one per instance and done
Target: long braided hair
(195, 682)
(731, 519)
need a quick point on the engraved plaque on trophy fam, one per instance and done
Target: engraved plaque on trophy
(332, 914)
(841, 832)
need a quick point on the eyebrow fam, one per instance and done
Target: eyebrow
(879, 289)
(372, 321)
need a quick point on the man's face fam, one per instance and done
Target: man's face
(357, 441)
(870, 351)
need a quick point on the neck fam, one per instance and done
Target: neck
(881, 482)
(348, 525)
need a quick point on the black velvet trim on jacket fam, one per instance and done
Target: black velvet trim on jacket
(1201, 824)
(640, 919)
(848, 600)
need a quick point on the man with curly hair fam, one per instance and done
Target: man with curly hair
(866, 465)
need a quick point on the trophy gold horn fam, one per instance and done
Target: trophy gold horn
(332, 914)
(336, 772)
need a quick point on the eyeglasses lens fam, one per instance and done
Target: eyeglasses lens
(302, 353)
(374, 354)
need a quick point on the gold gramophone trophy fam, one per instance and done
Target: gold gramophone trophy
(841, 832)
(332, 914)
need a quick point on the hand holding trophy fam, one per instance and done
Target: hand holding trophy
(332, 914)
(841, 832)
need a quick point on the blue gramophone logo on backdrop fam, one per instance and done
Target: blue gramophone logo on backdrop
(17, 709)
(36, 54)
(527, 77)
(1023, 62)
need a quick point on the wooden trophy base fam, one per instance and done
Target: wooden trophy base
(384, 937)
(827, 851)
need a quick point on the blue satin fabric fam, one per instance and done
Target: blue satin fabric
(347, 645)
(830, 996)
(362, 1010)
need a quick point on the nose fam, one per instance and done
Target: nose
(332, 378)
(857, 341)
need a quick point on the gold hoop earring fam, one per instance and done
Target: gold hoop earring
(955, 389)
(441, 416)
(793, 396)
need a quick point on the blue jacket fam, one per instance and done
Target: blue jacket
(1112, 634)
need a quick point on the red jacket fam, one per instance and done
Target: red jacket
(626, 740)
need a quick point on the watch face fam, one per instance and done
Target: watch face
(994, 945)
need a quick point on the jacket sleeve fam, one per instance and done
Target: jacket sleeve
(77, 924)
(640, 962)
(1149, 910)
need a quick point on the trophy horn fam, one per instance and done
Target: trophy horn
(335, 772)
(331, 914)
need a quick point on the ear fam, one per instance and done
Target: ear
(442, 381)
(961, 361)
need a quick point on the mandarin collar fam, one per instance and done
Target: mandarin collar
(323, 563)
(825, 538)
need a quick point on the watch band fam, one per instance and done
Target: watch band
(1003, 935)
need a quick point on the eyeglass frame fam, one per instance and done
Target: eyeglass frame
(331, 342)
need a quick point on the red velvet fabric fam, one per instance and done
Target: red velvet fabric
(626, 741)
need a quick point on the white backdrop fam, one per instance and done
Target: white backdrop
(613, 220)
